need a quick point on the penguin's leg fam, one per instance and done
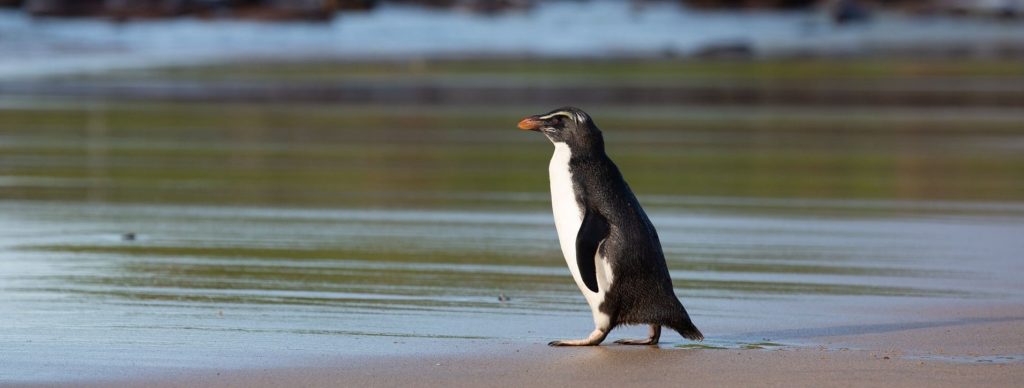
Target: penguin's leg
(594, 339)
(654, 334)
(602, 325)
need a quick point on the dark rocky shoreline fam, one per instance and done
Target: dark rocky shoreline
(320, 10)
(310, 10)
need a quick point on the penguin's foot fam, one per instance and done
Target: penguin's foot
(594, 339)
(654, 334)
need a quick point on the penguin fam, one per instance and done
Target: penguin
(609, 244)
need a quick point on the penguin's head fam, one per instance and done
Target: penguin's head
(567, 125)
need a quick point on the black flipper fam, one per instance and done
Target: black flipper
(593, 230)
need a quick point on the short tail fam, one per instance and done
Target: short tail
(686, 328)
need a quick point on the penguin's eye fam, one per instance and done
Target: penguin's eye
(559, 123)
(553, 125)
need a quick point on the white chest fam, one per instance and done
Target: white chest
(568, 218)
(567, 212)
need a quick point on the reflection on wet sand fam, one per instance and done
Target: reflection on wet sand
(295, 229)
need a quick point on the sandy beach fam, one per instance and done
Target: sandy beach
(979, 346)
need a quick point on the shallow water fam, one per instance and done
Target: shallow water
(266, 234)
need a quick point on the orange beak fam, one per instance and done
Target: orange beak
(530, 124)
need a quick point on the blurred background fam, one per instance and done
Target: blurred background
(187, 183)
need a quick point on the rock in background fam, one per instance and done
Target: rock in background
(249, 9)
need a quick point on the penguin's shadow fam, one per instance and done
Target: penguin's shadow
(775, 339)
(846, 330)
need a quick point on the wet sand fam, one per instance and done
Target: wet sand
(944, 347)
